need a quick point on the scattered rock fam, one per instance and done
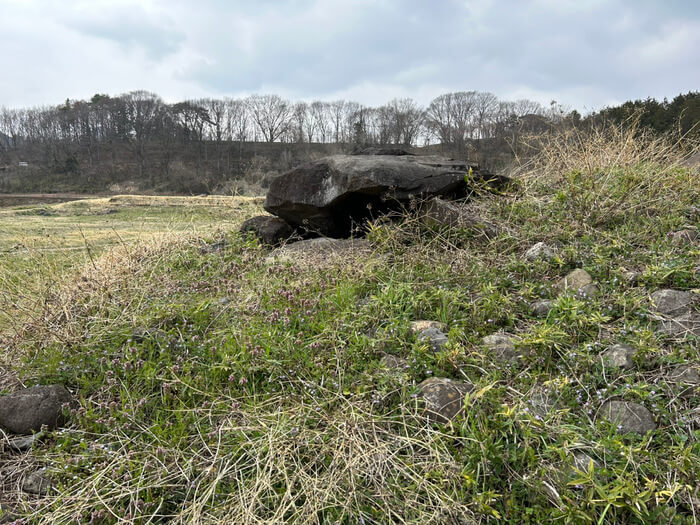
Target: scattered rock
(502, 345)
(27, 410)
(541, 402)
(269, 230)
(320, 248)
(418, 326)
(36, 483)
(620, 355)
(687, 377)
(213, 247)
(580, 460)
(455, 216)
(579, 281)
(671, 302)
(628, 416)
(681, 326)
(223, 301)
(24, 443)
(541, 308)
(336, 193)
(444, 398)
(631, 277)
(395, 363)
(434, 337)
(540, 251)
(684, 236)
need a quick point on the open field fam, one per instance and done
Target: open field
(40, 242)
(223, 386)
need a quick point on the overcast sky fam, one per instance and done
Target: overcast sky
(583, 53)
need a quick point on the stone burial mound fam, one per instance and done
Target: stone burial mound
(334, 195)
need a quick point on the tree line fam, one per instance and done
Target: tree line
(204, 142)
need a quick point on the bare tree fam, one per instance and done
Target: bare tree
(271, 114)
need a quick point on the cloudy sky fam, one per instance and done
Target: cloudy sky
(583, 53)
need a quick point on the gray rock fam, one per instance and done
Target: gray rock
(434, 337)
(395, 363)
(684, 236)
(450, 214)
(540, 251)
(579, 281)
(333, 194)
(27, 410)
(213, 247)
(631, 277)
(686, 374)
(620, 355)
(24, 443)
(269, 230)
(580, 460)
(628, 416)
(502, 345)
(681, 326)
(443, 398)
(320, 249)
(36, 483)
(541, 308)
(671, 302)
(420, 325)
(542, 402)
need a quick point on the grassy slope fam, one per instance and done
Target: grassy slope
(218, 388)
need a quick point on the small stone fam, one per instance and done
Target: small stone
(24, 443)
(620, 355)
(542, 402)
(502, 345)
(631, 277)
(421, 325)
(223, 301)
(393, 362)
(541, 308)
(628, 416)
(684, 236)
(269, 230)
(321, 249)
(27, 410)
(450, 214)
(686, 376)
(540, 251)
(681, 326)
(581, 461)
(213, 247)
(671, 302)
(444, 398)
(435, 337)
(36, 483)
(578, 280)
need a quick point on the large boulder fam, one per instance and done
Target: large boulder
(331, 195)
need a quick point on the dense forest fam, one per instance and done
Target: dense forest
(137, 142)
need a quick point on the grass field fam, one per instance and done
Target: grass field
(39, 243)
(219, 387)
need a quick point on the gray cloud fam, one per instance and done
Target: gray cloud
(585, 54)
